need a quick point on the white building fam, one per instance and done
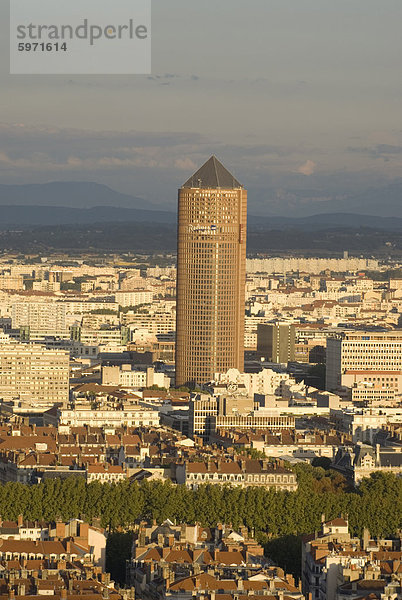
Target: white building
(128, 378)
(362, 351)
(129, 416)
(133, 298)
(267, 381)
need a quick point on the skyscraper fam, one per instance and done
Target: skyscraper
(211, 274)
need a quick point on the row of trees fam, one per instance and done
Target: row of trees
(376, 505)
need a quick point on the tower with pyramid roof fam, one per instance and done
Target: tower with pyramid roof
(211, 274)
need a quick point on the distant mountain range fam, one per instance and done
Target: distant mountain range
(327, 221)
(81, 203)
(34, 216)
(26, 216)
(384, 200)
(68, 194)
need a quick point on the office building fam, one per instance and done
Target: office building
(211, 274)
(276, 342)
(365, 360)
(207, 415)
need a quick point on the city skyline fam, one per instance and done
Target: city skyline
(201, 382)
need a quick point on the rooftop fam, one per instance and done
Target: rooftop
(213, 175)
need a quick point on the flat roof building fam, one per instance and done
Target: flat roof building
(33, 374)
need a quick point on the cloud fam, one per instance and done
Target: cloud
(25, 150)
(378, 151)
(185, 164)
(307, 168)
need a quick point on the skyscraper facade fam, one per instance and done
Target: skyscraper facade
(211, 274)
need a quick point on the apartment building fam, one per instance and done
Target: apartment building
(105, 473)
(308, 265)
(40, 319)
(364, 423)
(239, 473)
(127, 377)
(363, 459)
(336, 566)
(11, 282)
(105, 415)
(33, 374)
(125, 298)
(363, 354)
(266, 381)
(283, 444)
(191, 562)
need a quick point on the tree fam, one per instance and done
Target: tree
(322, 461)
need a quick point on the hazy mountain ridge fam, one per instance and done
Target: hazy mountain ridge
(70, 194)
(63, 203)
(33, 216)
(27, 216)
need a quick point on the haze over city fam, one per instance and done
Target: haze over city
(301, 99)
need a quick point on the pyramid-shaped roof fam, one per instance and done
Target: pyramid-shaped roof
(214, 175)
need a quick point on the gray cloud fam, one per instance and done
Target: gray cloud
(377, 151)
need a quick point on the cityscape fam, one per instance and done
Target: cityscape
(201, 325)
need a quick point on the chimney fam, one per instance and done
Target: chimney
(84, 530)
(60, 530)
(20, 520)
(366, 538)
(141, 538)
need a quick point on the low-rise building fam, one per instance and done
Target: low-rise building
(239, 473)
(336, 566)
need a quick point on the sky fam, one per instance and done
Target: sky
(300, 99)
